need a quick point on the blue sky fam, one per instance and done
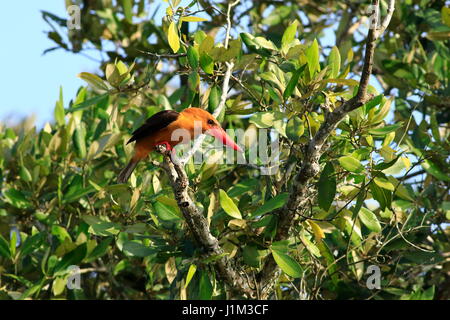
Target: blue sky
(30, 81)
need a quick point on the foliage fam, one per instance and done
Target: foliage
(381, 198)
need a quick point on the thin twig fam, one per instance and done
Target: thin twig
(164, 55)
(225, 86)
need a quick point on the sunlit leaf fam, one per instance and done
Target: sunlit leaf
(228, 205)
(190, 274)
(193, 57)
(351, 164)
(334, 61)
(312, 55)
(287, 264)
(289, 34)
(192, 19)
(172, 36)
(369, 219)
(386, 129)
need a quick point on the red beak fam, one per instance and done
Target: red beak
(221, 135)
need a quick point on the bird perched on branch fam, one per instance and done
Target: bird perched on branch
(170, 128)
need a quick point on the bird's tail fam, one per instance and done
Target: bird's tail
(125, 174)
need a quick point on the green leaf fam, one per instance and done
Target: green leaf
(311, 247)
(166, 212)
(193, 19)
(289, 34)
(383, 196)
(228, 205)
(25, 174)
(79, 140)
(14, 241)
(199, 36)
(386, 165)
(369, 219)
(4, 248)
(329, 258)
(60, 233)
(172, 36)
(282, 245)
(251, 256)
(429, 293)
(206, 63)
(190, 274)
(384, 183)
(382, 112)
(253, 46)
(434, 170)
(100, 249)
(386, 129)
(206, 45)
(345, 82)
(327, 186)
(137, 249)
(194, 81)
(372, 103)
(58, 285)
(112, 74)
(59, 109)
(101, 227)
(435, 127)
(265, 119)
(31, 243)
(34, 289)
(193, 57)
(445, 15)
(312, 56)
(88, 103)
(205, 287)
(351, 164)
(214, 98)
(287, 264)
(94, 81)
(76, 190)
(276, 202)
(242, 187)
(334, 61)
(295, 129)
(127, 10)
(16, 198)
(293, 82)
(74, 257)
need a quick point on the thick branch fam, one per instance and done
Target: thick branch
(299, 194)
(199, 227)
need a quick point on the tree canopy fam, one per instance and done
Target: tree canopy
(358, 105)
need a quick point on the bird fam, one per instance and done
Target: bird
(165, 127)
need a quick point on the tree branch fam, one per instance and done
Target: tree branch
(199, 226)
(310, 166)
(195, 220)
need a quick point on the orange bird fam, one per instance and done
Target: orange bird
(170, 128)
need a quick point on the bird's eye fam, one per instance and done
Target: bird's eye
(210, 121)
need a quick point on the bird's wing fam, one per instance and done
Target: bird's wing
(153, 124)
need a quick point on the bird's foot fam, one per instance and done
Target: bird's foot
(166, 144)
